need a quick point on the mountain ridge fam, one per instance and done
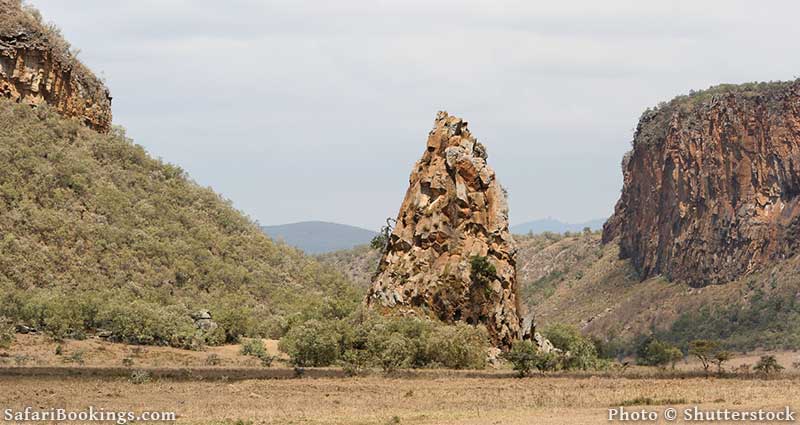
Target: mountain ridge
(554, 225)
(319, 237)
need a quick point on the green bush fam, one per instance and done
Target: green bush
(361, 339)
(579, 352)
(312, 344)
(523, 356)
(768, 365)
(393, 351)
(7, 333)
(354, 361)
(255, 348)
(458, 347)
(654, 352)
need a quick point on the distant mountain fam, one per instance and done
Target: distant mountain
(317, 237)
(553, 225)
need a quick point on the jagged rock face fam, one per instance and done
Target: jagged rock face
(711, 187)
(34, 70)
(454, 215)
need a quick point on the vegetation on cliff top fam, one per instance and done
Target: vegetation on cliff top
(96, 234)
(23, 23)
(654, 122)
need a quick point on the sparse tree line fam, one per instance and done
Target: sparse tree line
(341, 334)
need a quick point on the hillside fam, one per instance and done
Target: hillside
(317, 237)
(98, 235)
(555, 226)
(358, 264)
(580, 281)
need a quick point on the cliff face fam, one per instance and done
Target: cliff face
(36, 67)
(450, 254)
(711, 186)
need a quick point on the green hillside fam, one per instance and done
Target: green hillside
(96, 234)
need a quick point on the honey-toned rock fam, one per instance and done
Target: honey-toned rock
(450, 255)
(37, 67)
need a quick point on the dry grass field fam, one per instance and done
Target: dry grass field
(378, 400)
(426, 397)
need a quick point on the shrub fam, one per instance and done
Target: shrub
(653, 352)
(354, 362)
(213, 360)
(255, 348)
(7, 333)
(393, 352)
(768, 365)
(312, 344)
(579, 352)
(140, 322)
(234, 318)
(140, 377)
(482, 272)
(127, 362)
(76, 357)
(523, 357)
(458, 347)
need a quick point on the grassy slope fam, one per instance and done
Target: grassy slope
(576, 280)
(358, 264)
(90, 221)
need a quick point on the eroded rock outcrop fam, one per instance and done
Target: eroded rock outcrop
(711, 186)
(37, 67)
(450, 255)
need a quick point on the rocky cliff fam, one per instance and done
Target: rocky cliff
(450, 254)
(711, 185)
(36, 66)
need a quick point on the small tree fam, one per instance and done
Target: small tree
(381, 240)
(580, 352)
(704, 350)
(721, 357)
(768, 365)
(523, 357)
(658, 353)
(675, 355)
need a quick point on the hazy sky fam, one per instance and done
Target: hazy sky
(300, 110)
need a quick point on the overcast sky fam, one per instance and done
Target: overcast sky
(317, 110)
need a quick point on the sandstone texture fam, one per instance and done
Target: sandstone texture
(711, 186)
(450, 255)
(37, 67)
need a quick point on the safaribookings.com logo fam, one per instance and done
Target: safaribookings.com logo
(91, 414)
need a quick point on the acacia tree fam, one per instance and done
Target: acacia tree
(768, 365)
(721, 357)
(704, 350)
